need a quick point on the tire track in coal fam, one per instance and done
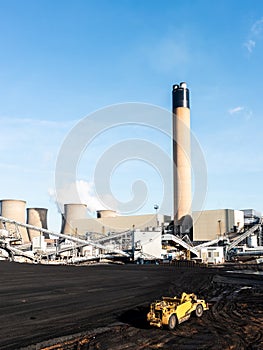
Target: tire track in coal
(234, 325)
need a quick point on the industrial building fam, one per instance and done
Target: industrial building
(211, 224)
(104, 225)
(208, 224)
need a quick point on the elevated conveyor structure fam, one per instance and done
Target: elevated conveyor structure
(103, 240)
(240, 238)
(207, 244)
(14, 236)
(178, 240)
(113, 236)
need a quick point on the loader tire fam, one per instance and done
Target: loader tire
(199, 310)
(172, 322)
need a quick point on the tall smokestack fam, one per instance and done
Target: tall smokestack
(181, 158)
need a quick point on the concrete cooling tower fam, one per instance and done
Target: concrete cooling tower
(106, 214)
(182, 158)
(14, 209)
(72, 212)
(36, 217)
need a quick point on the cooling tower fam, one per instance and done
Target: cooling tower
(36, 217)
(106, 214)
(72, 212)
(181, 158)
(15, 210)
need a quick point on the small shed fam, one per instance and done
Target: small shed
(212, 255)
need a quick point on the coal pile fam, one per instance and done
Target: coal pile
(104, 307)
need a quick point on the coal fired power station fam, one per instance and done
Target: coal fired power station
(182, 159)
(207, 236)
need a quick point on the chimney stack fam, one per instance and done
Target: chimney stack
(182, 158)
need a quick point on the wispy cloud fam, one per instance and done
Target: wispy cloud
(235, 110)
(250, 45)
(254, 34)
(246, 113)
(257, 27)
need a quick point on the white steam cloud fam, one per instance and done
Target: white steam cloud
(86, 194)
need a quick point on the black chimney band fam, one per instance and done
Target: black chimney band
(180, 97)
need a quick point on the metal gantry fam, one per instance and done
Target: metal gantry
(6, 241)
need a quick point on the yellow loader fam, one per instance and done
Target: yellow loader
(170, 312)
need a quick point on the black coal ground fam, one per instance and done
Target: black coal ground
(105, 306)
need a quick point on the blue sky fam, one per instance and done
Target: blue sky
(62, 60)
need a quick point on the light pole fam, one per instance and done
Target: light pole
(133, 242)
(156, 207)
